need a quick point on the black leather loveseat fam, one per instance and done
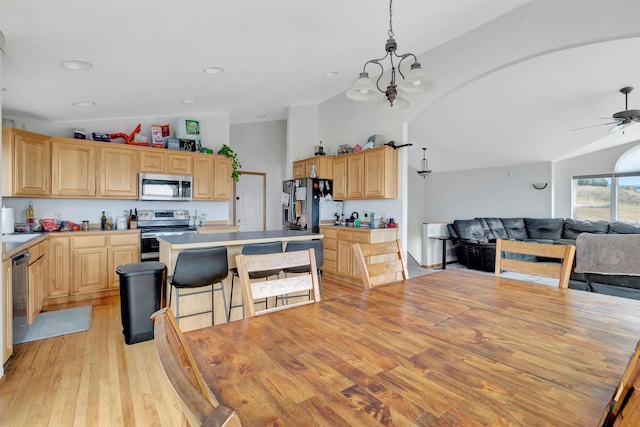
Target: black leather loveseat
(474, 244)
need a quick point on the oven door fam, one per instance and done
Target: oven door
(149, 246)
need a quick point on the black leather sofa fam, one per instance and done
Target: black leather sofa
(474, 245)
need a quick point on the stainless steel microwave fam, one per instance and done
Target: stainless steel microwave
(165, 187)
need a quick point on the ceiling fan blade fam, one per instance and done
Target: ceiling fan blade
(616, 128)
(593, 126)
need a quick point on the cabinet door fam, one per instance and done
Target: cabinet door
(7, 162)
(324, 167)
(222, 181)
(7, 312)
(345, 258)
(36, 283)
(203, 167)
(119, 255)
(374, 174)
(153, 161)
(340, 178)
(179, 164)
(32, 164)
(89, 270)
(73, 169)
(355, 176)
(299, 169)
(118, 173)
(59, 267)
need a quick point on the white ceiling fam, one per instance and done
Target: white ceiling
(149, 55)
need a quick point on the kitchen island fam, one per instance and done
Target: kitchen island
(171, 246)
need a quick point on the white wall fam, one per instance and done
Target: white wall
(261, 147)
(302, 134)
(594, 163)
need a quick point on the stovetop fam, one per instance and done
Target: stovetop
(163, 218)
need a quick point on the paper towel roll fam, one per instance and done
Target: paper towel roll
(8, 221)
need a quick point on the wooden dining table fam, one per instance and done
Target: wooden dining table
(454, 348)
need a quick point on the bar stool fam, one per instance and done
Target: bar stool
(303, 246)
(197, 268)
(255, 249)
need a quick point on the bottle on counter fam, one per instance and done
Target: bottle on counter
(103, 221)
(30, 214)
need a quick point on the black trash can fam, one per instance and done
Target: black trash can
(141, 295)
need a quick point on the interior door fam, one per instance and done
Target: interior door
(249, 204)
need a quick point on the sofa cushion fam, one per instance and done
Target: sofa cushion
(470, 229)
(544, 228)
(485, 229)
(497, 228)
(620, 227)
(574, 227)
(515, 228)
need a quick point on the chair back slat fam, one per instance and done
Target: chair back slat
(256, 290)
(380, 263)
(199, 405)
(561, 271)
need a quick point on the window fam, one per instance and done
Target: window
(613, 196)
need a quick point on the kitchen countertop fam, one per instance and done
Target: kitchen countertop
(9, 249)
(190, 241)
(361, 228)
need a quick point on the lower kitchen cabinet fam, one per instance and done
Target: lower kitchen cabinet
(7, 312)
(83, 265)
(338, 243)
(38, 274)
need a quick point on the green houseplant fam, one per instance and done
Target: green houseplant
(235, 163)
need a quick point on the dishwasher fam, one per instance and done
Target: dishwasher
(20, 288)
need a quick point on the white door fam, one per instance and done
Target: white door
(250, 201)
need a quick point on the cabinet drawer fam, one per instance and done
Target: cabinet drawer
(329, 233)
(88, 242)
(330, 255)
(360, 237)
(330, 244)
(124, 239)
(345, 235)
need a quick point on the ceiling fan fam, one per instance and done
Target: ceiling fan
(622, 119)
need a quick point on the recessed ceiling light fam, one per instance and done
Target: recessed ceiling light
(189, 101)
(331, 74)
(213, 70)
(77, 64)
(84, 104)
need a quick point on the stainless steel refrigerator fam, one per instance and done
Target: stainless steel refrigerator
(306, 201)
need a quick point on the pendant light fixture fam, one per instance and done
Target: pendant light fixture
(416, 80)
(424, 171)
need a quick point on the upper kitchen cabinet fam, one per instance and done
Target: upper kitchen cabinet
(369, 174)
(179, 164)
(117, 171)
(26, 163)
(73, 168)
(212, 178)
(323, 166)
(157, 160)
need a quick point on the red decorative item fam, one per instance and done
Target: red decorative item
(129, 138)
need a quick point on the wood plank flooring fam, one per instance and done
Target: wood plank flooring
(93, 378)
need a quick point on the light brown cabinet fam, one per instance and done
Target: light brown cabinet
(88, 263)
(73, 168)
(222, 183)
(153, 161)
(26, 163)
(355, 176)
(338, 243)
(59, 267)
(340, 178)
(158, 160)
(7, 312)
(38, 275)
(370, 174)
(117, 172)
(179, 164)
(323, 166)
(123, 249)
(212, 178)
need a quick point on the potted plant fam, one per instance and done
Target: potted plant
(235, 164)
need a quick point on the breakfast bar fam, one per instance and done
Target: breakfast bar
(171, 246)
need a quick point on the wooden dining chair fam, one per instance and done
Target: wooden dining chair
(253, 290)
(624, 408)
(380, 263)
(561, 271)
(199, 406)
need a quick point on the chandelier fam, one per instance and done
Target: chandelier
(416, 80)
(424, 171)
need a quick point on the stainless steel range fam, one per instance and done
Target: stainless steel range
(153, 224)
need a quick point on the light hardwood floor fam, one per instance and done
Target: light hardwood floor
(93, 378)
